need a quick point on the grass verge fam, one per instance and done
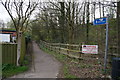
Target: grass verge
(67, 73)
(62, 58)
(10, 70)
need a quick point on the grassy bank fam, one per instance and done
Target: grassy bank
(10, 70)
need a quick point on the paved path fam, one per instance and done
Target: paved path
(44, 65)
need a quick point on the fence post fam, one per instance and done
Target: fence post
(59, 47)
(51, 48)
(55, 49)
(68, 52)
(48, 46)
(45, 45)
(80, 53)
(40, 44)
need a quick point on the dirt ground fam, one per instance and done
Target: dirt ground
(87, 67)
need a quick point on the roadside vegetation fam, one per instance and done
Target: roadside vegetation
(80, 68)
(67, 23)
(9, 70)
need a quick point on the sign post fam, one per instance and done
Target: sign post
(101, 21)
(106, 46)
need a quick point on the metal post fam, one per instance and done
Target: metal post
(118, 26)
(106, 47)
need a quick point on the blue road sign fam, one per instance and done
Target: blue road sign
(100, 21)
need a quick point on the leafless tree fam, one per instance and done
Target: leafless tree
(2, 24)
(20, 12)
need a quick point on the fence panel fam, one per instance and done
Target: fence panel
(9, 53)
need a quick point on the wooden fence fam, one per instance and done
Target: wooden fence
(73, 51)
(9, 53)
(70, 50)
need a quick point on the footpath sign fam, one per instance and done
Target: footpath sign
(101, 21)
(90, 49)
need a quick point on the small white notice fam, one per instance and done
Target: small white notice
(90, 49)
(4, 37)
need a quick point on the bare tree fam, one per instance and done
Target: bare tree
(103, 9)
(100, 8)
(88, 20)
(20, 12)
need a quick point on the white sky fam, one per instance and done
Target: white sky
(3, 14)
(5, 17)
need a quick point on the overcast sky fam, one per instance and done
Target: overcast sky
(3, 14)
(5, 17)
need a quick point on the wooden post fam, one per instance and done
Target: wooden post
(47, 46)
(80, 53)
(50, 47)
(54, 49)
(59, 50)
(79, 56)
(59, 47)
(42, 45)
(68, 52)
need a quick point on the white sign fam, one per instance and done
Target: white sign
(4, 37)
(91, 49)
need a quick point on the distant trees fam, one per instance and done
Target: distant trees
(70, 22)
(2, 24)
(61, 20)
(10, 24)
